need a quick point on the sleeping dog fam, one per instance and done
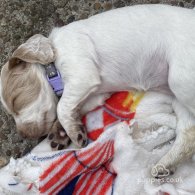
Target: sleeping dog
(140, 47)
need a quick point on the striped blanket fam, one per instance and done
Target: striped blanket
(92, 166)
(109, 164)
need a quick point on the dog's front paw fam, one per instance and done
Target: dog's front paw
(78, 136)
(58, 137)
(161, 170)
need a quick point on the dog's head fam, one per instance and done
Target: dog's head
(25, 92)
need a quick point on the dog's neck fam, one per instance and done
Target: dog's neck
(45, 85)
(54, 78)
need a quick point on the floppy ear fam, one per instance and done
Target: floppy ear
(37, 49)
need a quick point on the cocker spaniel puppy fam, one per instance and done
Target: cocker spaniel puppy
(140, 47)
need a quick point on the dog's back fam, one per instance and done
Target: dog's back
(138, 41)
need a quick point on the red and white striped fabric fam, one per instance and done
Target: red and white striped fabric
(92, 163)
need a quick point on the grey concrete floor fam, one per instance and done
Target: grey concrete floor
(20, 19)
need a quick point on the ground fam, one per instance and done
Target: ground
(20, 19)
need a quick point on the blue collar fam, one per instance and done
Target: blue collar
(54, 78)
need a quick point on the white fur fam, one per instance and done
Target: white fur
(141, 47)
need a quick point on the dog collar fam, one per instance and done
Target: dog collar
(54, 78)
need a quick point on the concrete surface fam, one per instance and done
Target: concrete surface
(20, 19)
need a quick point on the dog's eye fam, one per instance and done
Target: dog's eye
(18, 61)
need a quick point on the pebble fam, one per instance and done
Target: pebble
(174, 2)
(8, 152)
(3, 136)
(97, 6)
(59, 23)
(70, 19)
(3, 22)
(181, 4)
(3, 161)
(155, 1)
(119, 4)
(107, 6)
(75, 8)
(1, 122)
(83, 16)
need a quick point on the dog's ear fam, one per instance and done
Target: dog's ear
(37, 49)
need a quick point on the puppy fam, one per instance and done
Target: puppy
(140, 47)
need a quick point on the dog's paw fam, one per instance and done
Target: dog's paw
(160, 171)
(78, 135)
(59, 140)
(58, 137)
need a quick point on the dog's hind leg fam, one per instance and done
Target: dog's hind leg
(182, 84)
(184, 145)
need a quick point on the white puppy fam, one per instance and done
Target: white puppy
(141, 47)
